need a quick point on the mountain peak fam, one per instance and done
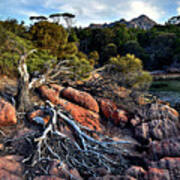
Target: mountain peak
(142, 22)
(143, 16)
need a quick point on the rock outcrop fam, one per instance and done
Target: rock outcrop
(152, 173)
(48, 178)
(7, 113)
(169, 166)
(142, 22)
(157, 125)
(82, 115)
(160, 122)
(65, 172)
(11, 168)
(39, 113)
(136, 172)
(156, 173)
(81, 98)
(83, 107)
(110, 111)
(165, 148)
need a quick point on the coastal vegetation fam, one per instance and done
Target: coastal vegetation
(158, 47)
(77, 106)
(131, 52)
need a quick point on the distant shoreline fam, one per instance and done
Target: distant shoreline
(165, 76)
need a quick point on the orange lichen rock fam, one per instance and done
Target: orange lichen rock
(84, 116)
(136, 171)
(170, 110)
(7, 113)
(81, 98)
(159, 174)
(112, 112)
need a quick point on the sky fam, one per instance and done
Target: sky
(91, 11)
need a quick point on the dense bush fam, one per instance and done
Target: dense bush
(13, 26)
(47, 35)
(50, 41)
(158, 47)
(94, 57)
(130, 72)
(11, 46)
(80, 66)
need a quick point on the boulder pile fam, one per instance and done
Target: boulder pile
(156, 128)
(83, 107)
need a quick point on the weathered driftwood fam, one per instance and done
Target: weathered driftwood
(23, 100)
(84, 153)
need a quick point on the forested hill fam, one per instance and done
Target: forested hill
(158, 47)
(74, 102)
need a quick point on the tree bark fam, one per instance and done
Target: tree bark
(25, 85)
(23, 100)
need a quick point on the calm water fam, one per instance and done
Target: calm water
(167, 90)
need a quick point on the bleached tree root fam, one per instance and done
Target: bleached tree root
(84, 152)
(2, 133)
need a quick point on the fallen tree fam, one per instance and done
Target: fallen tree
(84, 153)
(88, 149)
(25, 85)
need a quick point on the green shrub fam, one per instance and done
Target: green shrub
(81, 67)
(40, 60)
(130, 72)
(47, 35)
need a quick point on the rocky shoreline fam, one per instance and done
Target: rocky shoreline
(163, 75)
(154, 132)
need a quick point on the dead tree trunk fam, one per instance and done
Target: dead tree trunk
(25, 85)
(85, 152)
(23, 100)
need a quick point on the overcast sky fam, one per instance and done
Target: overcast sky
(91, 11)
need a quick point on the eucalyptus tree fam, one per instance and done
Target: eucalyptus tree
(68, 18)
(38, 18)
(56, 17)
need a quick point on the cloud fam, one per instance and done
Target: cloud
(105, 10)
(93, 11)
(85, 11)
(178, 8)
(24, 2)
(138, 7)
(28, 13)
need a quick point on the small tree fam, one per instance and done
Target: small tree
(47, 35)
(110, 50)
